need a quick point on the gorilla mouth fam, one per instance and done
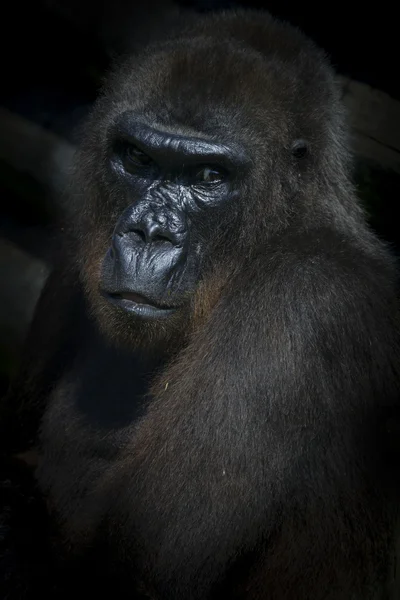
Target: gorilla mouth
(138, 305)
(134, 297)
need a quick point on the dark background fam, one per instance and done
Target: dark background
(55, 54)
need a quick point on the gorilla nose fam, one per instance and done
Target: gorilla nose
(152, 232)
(151, 228)
(147, 249)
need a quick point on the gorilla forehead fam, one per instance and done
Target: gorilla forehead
(222, 74)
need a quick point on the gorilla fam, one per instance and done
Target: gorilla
(203, 401)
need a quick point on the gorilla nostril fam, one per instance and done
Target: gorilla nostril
(141, 235)
(152, 236)
(157, 233)
(159, 237)
(154, 233)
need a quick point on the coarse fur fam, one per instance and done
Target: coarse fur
(237, 449)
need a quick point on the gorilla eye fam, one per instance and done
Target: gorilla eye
(300, 149)
(209, 175)
(136, 157)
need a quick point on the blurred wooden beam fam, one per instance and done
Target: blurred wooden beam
(374, 118)
(31, 149)
(22, 277)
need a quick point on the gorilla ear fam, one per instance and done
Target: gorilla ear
(299, 149)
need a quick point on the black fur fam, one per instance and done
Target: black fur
(238, 450)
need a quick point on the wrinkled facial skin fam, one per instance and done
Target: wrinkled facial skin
(153, 264)
(171, 199)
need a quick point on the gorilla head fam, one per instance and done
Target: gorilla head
(199, 151)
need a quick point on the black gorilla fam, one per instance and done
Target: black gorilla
(211, 367)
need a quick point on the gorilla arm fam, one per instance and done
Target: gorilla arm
(264, 435)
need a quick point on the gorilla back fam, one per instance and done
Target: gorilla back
(209, 403)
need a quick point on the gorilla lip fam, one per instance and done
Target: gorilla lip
(137, 304)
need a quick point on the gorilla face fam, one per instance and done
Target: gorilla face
(195, 156)
(177, 187)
